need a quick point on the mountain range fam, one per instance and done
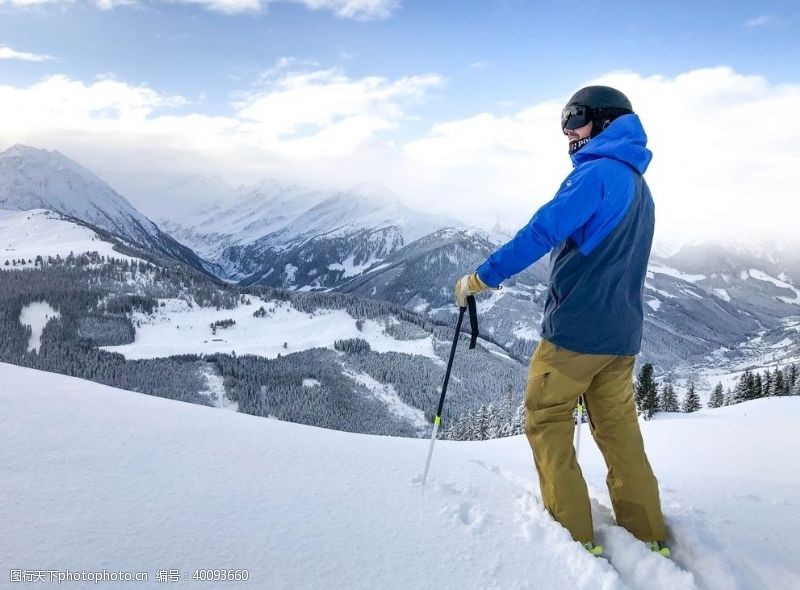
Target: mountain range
(710, 303)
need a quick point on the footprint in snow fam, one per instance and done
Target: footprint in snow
(523, 484)
(751, 498)
(467, 514)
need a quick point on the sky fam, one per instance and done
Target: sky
(452, 106)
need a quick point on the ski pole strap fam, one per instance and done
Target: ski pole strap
(450, 362)
(473, 320)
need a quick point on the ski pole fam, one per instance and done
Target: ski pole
(473, 320)
(578, 433)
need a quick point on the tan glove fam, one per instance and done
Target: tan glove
(467, 285)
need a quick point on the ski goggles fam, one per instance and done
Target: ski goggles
(575, 116)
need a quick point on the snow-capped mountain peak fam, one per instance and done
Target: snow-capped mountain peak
(32, 178)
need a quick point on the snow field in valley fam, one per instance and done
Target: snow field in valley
(177, 328)
(96, 477)
(36, 315)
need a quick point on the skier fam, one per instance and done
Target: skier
(599, 227)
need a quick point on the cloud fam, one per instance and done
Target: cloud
(481, 64)
(325, 113)
(8, 53)
(293, 119)
(722, 161)
(758, 21)
(33, 3)
(356, 9)
(112, 4)
(349, 9)
(284, 64)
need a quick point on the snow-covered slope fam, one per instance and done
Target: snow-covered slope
(33, 178)
(95, 477)
(38, 232)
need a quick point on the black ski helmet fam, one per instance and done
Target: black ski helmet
(599, 104)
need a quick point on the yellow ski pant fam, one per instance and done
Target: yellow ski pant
(557, 377)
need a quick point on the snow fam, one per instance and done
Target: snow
(177, 328)
(500, 353)
(36, 315)
(96, 477)
(654, 303)
(672, 272)
(420, 307)
(786, 342)
(32, 178)
(215, 390)
(27, 234)
(524, 331)
(311, 383)
(290, 270)
(484, 304)
(706, 377)
(387, 394)
(722, 294)
(350, 268)
(686, 291)
(659, 291)
(379, 267)
(762, 276)
(284, 214)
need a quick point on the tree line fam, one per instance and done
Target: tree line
(99, 298)
(507, 417)
(652, 396)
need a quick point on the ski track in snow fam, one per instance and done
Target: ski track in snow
(699, 560)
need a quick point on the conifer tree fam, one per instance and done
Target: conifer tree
(729, 398)
(506, 414)
(767, 389)
(669, 399)
(779, 382)
(740, 390)
(481, 431)
(646, 392)
(691, 403)
(492, 422)
(519, 420)
(749, 385)
(717, 399)
(469, 427)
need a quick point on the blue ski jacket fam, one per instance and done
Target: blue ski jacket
(599, 227)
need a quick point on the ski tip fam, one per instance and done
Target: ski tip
(596, 550)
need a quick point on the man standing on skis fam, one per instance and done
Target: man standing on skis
(599, 227)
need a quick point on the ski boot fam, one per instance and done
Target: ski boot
(658, 547)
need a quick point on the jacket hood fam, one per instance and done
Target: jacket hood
(623, 140)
